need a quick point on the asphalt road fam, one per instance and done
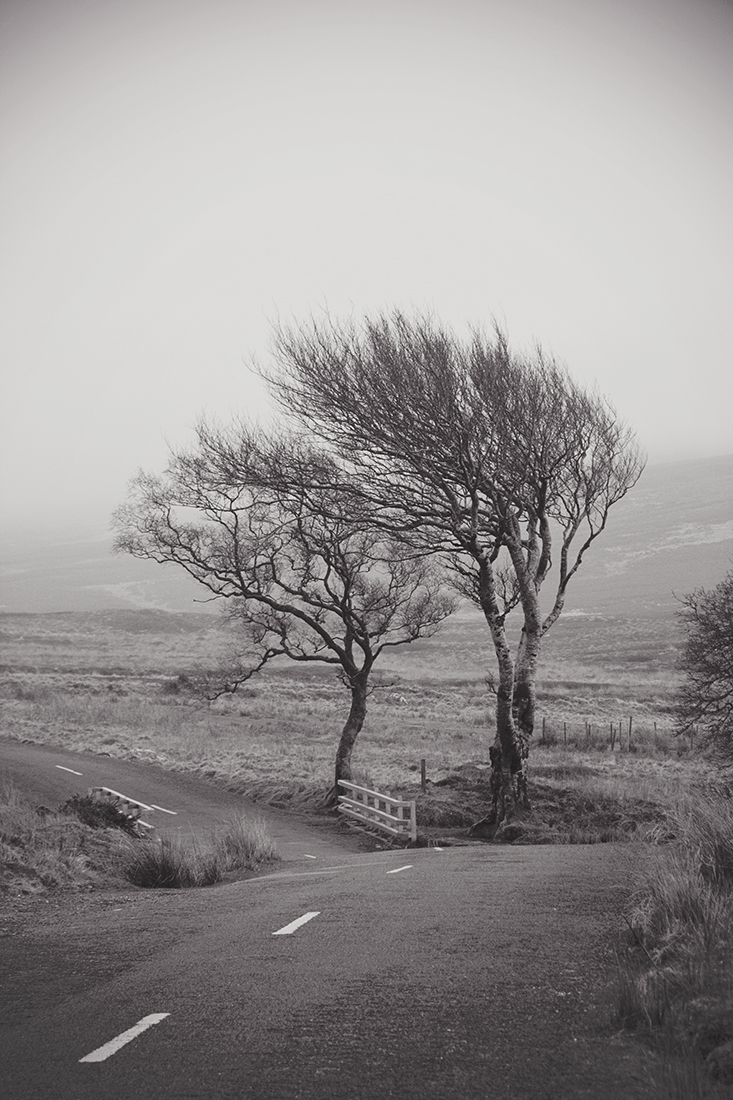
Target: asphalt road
(467, 973)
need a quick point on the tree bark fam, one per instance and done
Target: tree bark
(524, 703)
(358, 684)
(504, 754)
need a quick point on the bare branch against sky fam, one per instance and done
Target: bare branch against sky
(178, 174)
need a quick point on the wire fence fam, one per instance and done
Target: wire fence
(624, 735)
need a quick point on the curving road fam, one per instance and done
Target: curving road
(471, 973)
(51, 775)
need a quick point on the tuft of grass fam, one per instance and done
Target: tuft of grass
(170, 863)
(174, 862)
(244, 844)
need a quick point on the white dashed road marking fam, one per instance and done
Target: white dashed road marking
(101, 1053)
(311, 857)
(396, 870)
(289, 928)
(63, 769)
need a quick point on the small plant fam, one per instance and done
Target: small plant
(181, 684)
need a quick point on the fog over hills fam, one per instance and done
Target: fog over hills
(672, 533)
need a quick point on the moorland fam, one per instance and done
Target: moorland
(95, 658)
(606, 760)
(121, 680)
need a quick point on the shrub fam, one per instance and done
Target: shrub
(705, 699)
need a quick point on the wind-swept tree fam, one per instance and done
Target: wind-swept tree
(272, 527)
(705, 699)
(461, 447)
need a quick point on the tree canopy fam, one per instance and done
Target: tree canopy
(463, 448)
(268, 524)
(412, 455)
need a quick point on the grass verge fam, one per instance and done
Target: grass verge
(41, 849)
(676, 970)
(83, 845)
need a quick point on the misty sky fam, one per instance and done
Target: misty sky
(177, 173)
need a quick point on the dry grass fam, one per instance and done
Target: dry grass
(116, 682)
(242, 845)
(676, 971)
(82, 846)
(119, 683)
(41, 850)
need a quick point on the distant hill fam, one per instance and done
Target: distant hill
(672, 533)
(67, 572)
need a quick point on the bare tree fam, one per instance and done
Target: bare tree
(463, 448)
(705, 699)
(272, 526)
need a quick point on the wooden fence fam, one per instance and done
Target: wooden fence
(378, 811)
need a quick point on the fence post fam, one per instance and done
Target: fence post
(423, 776)
(631, 719)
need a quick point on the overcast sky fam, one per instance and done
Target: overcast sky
(176, 173)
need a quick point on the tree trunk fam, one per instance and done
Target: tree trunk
(358, 684)
(524, 703)
(504, 754)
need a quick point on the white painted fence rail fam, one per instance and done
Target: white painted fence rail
(129, 806)
(378, 811)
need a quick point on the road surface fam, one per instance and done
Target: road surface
(474, 973)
